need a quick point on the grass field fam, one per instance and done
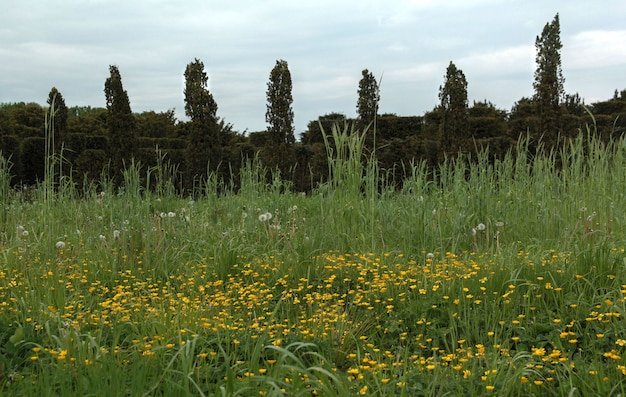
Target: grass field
(478, 279)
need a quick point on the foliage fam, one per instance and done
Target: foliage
(548, 84)
(157, 124)
(453, 97)
(199, 103)
(120, 123)
(368, 99)
(25, 119)
(33, 151)
(87, 120)
(485, 120)
(60, 111)
(313, 133)
(278, 151)
(204, 131)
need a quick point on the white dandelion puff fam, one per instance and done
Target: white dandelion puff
(60, 245)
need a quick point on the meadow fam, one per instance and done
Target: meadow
(482, 277)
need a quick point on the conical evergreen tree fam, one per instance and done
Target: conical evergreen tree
(120, 123)
(205, 140)
(455, 122)
(279, 151)
(548, 85)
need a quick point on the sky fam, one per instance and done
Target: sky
(406, 44)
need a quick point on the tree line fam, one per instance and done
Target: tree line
(97, 144)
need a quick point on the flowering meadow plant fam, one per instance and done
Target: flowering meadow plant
(477, 278)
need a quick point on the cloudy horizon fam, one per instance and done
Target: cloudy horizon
(406, 43)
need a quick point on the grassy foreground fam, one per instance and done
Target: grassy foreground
(503, 279)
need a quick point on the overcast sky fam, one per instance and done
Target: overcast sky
(408, 44)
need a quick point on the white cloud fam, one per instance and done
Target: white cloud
(595, 49)
(327, 43)
(503, 62)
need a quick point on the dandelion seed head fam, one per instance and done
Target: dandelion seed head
(116, 234)
(60, 245)
(480, 227)
(171, 214)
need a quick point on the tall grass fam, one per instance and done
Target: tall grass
(503, 277)
(5, 189)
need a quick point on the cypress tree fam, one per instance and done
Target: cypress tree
(369, 96)
(455, 122)
(279, 151)
(120, 123)
(56, 101)
(204, 132)
(548, 85)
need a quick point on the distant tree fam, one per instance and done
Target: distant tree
(26, 119)
(455, 121)
(279, 117)
(87, 120)
(157, 125)
(5, 116)
(486, 121)
(612, 107)
(204, 131)
(369, 96)
(80, 111)
(199, 103)
(57, 103)
(524, 107)
(548, 85)
(313, 133)
(574, 104)
(120, 123)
